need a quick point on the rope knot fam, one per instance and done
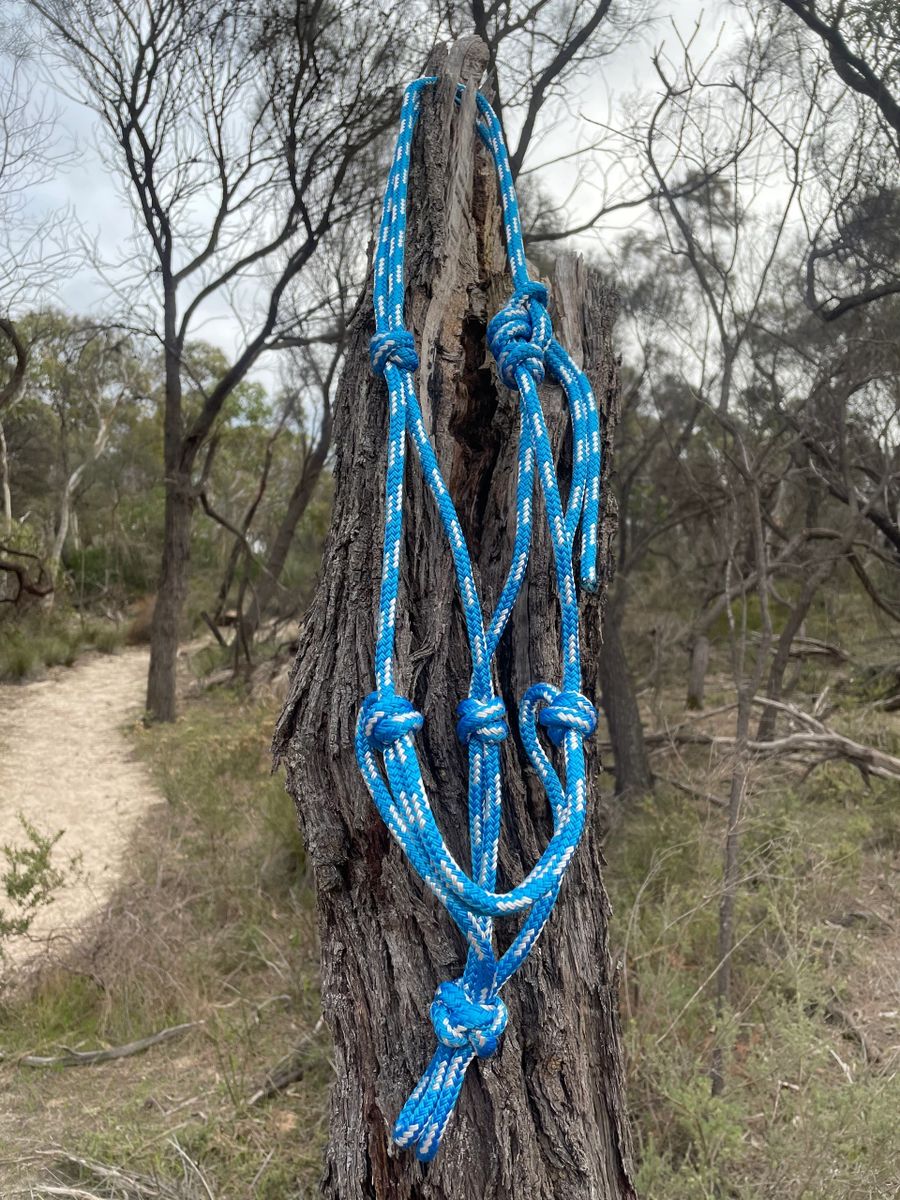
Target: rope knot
(459, 1021)
(484, 720)
(520, 334)
(386, 717)
(396, 347)
(532, 290)
(568, 710)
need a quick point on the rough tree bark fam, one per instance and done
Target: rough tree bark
(5, 493)
(545, 1117)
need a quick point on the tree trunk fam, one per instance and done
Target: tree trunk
(68, 518)
(747, 684)
(239, 545)
(170, 597)
(782, 655)
(15, 381)
(171, 591)
(9, 393)
(730, 883)
(699, 665)
(620, 706)
(303, 492)
(5, 493)
(62, 531)
(545, 1117)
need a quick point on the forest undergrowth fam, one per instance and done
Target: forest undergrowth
(213, 926)
(53, 639)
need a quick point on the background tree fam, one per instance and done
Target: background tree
(262, 125)
(309, 371)
(82, 377)
(851, 208)
(34, 246)
(760, 502)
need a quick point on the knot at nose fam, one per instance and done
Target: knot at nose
(397, 347)
(484, 720)
(520, 334)
(568, 710)
(387, 717)
(459, 1020)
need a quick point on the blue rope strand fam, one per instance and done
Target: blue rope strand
(468, 1014)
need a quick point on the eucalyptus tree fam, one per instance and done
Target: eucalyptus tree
(833, 389)
(726, 236)
(846, 54)
(35, 246)
(241, 136)
(84, 377)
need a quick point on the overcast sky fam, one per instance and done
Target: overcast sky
(86, 187)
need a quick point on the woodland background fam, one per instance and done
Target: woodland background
(165, 455)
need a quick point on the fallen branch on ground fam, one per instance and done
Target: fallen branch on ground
(809, 647)
(70, 1175)
(814, 739)
(90, 1058)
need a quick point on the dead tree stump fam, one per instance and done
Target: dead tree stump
(545, 1117)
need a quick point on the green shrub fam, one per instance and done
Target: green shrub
(104, 637)
(18, 659)
(34, 641)
(28, 878)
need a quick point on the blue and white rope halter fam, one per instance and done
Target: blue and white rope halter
(468, 1014)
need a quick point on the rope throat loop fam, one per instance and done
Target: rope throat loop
(468, 1014)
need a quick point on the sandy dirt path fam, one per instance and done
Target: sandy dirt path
(66, 764)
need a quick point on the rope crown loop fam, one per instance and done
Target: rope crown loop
(394, 347)
(387, 717)
(484, 720)
(459, 1021)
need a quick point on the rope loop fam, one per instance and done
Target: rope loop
(484, 720)
(568, 710)
(459, 1020)
(394, 347)
(386, 717)
(468, 1015)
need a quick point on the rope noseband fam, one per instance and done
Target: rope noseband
(468, 1014)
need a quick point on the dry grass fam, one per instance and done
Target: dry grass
(813, 1036)
(31, 644)
(212, 923)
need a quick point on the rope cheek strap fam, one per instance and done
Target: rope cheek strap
(468, 1014)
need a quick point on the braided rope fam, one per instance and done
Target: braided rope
(468, 1014)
